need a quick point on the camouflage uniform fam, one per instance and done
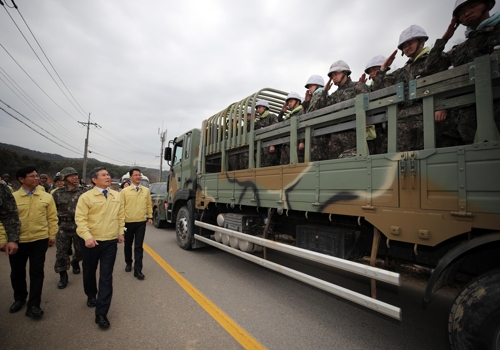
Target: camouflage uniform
(285, 148)
(410, 115)
(461, 124)
(342, 144)
(266, 158)
(319, 144)
(66, 201)
(9, 217)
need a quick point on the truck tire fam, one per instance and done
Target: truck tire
(183, 229)
(474, 321)
(156, 219)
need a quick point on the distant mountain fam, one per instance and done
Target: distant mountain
(13, 158)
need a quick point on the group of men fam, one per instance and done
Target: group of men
(453, 127)
(94, 220)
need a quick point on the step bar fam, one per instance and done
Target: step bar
(349, 266)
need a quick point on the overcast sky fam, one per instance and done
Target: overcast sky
(139, 65)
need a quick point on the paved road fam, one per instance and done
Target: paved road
(278, 312)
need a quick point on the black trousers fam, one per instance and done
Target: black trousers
(137, 231)
(35, 252)
(103, 255)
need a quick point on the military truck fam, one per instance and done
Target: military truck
(438, 207)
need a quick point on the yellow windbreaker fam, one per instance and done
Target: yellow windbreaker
(38, 215)
(99, 218)
(138, 205)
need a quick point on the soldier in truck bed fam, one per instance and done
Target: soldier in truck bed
(483, 35)
(410, 115)
(268, 155)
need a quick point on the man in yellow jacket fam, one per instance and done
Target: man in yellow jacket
(38, 216)
(138, 211)
(100, 221)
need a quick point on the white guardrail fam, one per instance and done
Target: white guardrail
(360, 269)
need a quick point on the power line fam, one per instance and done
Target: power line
(32, 49)
(34, 129)
(36, 105)
(40, 46)
(37, 83)
(67, 145)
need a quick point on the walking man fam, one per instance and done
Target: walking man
(38, 216)
(66, 198)
(138, 211)
(100, 220)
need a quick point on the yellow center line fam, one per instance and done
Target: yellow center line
(238, 333)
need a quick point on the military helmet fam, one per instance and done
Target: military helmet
(43, 176)
(263, 103)
(460, 3)
(376, 61)
(339, 66)
(315, 80)
(249, 110)
(294, 95)
(68, 171)
(410, 33)
(5, 175)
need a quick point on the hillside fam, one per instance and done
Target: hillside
(13, 158)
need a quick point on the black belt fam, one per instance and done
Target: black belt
(67, 219)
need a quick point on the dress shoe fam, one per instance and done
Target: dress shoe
(91, 302)
(34, 311)
(76, 267)
(102, 321)
(63, 282)
(17, 305)
(139, 275)
(128, 268)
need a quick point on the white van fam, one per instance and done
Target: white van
(144, 179)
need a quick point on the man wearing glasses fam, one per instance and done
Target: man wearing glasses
(38, 216)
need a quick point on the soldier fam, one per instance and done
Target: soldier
(58, 183)
(483, 34)
(410, 115)
(314, 86)
(378, 145)
(10, 225)
(342, 143)
(43, 182)
(66, 199)
(269, 155)
(243, 156)
(293, 104)
(6, 180)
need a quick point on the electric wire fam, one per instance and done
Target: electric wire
(57, 138)
(40, 46)
(30, 100)
(19, 120)
(32, 49)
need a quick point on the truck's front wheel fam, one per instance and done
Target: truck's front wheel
(474, 321)
(183, 229)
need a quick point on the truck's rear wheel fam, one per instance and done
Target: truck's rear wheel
(183, 229)
(156, 219)
(474, 321)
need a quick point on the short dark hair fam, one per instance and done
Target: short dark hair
(93, 172)
(131, 171)
(21, 173)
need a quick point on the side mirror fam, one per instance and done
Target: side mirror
(168, 154)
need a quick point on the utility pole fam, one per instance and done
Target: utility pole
(163, 136)
(88, 123)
